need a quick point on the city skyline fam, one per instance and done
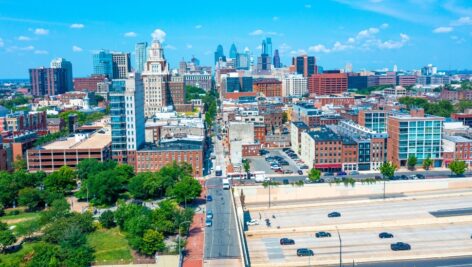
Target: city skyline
(369, 34)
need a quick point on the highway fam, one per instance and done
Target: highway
(441, 262)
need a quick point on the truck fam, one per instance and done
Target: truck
(226, 185)
(259, 176)
(218, 171)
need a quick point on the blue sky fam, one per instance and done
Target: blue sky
(370, 34)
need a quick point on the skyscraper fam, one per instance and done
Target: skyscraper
(62, 63)
(243, 61)
(127, 116)
(155, 77)
(277, 63)
(48, 81)
(141, 56)
(268, 50)
(233, 52)
(121, 65)
(103, 64)
(219, 54)
(305, 65)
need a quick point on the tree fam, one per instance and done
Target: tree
(137, 186)
(186, 189)
(284, 117)
(19, 164)
(427, 163)
(107, 219)
(164, 218)
(246, 165)
(102, 188)
(62, 180)
(77, 257)
(153, 241)
(314, 175)
(7, 238)
(31, 197)
(45, 254)
(387, 169)
(412, 160)
(89, 167)
(458, 167)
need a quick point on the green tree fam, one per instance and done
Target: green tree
(186, 189)
(7, 238)
(125, 171)
(62, 180)
(246, 165)
(77, 257)
(411, 162)
(164, 217)
(137, 186)
(31, 198)
(284, 117)
(59, 209)
(153, 241)
(387, 169)
(90, 167)
(314, 175)
(427, 163)
(102, 188)
(45, 254)
(458, 167)
(20, 164)
(107, 219)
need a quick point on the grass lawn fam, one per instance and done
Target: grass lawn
(23, 216)
(110, 246)
(14, 259)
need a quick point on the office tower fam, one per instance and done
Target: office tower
(62, 63)
(305, 65)
(48, 81)
(233, 51)
(140, 56)
(103, 64)
(327, 83)
(348, 68)
(294, 85)
(219, 54)
(182, 66)
(121, 65)
(277, 63)
(267, 46)
(429, 70)
(195, 61)
(127, 116)
(243, 61)
(155, 76)
(264, 63)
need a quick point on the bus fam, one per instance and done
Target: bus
(237, 175)
(226, 185)
(259, 176)
(218, 171)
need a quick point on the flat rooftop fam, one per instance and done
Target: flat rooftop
(99, 139)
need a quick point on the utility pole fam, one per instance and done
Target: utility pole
(340, 249)
(384, 187)
(270, 182)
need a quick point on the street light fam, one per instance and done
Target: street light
(178, 238)
(340, 249)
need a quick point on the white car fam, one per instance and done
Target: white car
(253, 222)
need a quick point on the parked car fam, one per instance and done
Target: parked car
(403, 177)
(412, 177)
(305, 252)
(285, 181)
(385, 235)
(253, 222)
(354, 173)
(288, 171)
(208, 223)
(378, 177)
(334, 214)
(209, 214)
(322, 234)
(300, 172)
(304, 167)
(283, 162)
(274, 167)
(279, 170)
(209, 198)
(342, 173)
(328, 174)
(400, 246)
(285, 149)
(287, 241)
(420, 176)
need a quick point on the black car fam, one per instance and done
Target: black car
(400, 246)
(305, 252)
(285, 149)
(285, 181)
(300, 172)
(287, 241)
(420, 176)
(403, 177)
(385, 235)
(283, 162)
(334, 214)
(322, 234)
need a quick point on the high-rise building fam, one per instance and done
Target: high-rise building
(267, 47)
(121, 65)
(429, 70)
(264, 63)
(127, 116)
(277, 63)
(305, 65)
(375, 120)
(294, 85)
(62, 63)
(243, 61)
(233, 51)
(140, 56)
(103, 64)
(48, 81)
(327, 83)
(219, 54)
(155, 76)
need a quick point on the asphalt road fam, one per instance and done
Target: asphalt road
(446, 262)
(221, 239)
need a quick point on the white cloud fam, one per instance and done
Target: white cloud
(41, 52)
(259, 47)
(307, 6)
(391, 44)
(159, 35)
(257, 32)
(77, 26)
(275, 18)
(20, 48)
(443, 29)
(23, 38)
(27, 48)
(171, 47)
(351, 40)
(319, 48)
(76, 48)
(1, 42)
(367, 33)
(338, 46)
(189, 46)
(130, 34)
(462, 21)
(199, 26)
(284, 48)
(384, 26)
(41, 31)
(298, 52)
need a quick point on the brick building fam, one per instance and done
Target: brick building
(269, 87)
(327, 83)
(88, 84)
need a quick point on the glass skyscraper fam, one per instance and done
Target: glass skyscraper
(103, 64)
(140, 56)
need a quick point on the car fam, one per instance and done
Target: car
(354, 173)
(253, 222)
(287, 241)
(328, 174)
(208, 223)
(209, 198)
(412, 177)
(378, 177)
(342, 173)
(300, 172)
(304, 167)
(285, 149)
(209, 215)
(283, 163)
(288, 171)
(275, 167)
(420, 176)
(305, 252)
(403, 177)
(322, 234)
(334, 214)
(285, 181)
(385, 235)
(396, 177)
(279, 170)
(400, 246)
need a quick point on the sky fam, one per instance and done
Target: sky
(369, 34)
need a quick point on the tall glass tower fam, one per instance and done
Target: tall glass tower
(233, 52)
(141, 56)
(103, 63)
(219, 54)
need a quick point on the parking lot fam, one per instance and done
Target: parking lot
(413, 220)
(261, 164)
